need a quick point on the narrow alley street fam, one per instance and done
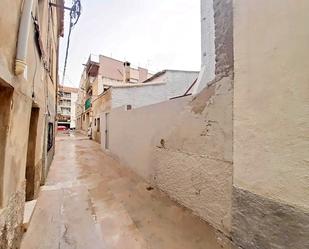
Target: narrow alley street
(90, 201)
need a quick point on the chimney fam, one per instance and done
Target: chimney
(126, 74)
(142, 74)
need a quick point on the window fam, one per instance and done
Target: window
(129, 107)
(50, 140)
(98, 125)
(84, 117)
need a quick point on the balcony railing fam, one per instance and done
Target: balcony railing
(87, 104)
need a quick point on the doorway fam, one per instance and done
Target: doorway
(6, 95)
(106, 131)
(30, 166)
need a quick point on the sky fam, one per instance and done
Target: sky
(156, 34)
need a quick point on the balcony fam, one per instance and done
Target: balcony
(87, 104)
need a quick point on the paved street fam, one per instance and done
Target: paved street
(91, 202)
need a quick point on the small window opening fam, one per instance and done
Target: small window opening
(98, 125)
(50, 141)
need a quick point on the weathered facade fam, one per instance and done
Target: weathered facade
(95, 93)
(67, 98)
(235, 153)
(29, 32)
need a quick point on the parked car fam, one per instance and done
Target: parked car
(62, 128)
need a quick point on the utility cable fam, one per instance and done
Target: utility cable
(75, 13)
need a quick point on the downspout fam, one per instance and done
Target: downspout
(46, 114)
(23, 37)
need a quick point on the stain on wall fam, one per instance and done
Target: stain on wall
(260, 222)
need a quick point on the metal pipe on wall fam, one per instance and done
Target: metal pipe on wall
(23, 37)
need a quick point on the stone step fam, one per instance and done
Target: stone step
(28, 212)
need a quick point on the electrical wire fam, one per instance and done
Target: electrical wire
(75, 13)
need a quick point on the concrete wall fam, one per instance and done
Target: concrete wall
(182, 146)
(123, 126)
(178, 82)
(271, 124)
(208, 49)
(138, 95)
(186, 148)
(100, 104)
(27, 90)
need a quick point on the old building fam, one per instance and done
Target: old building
(67, 97)
(110, 83)
(99, 74)
(29, 43)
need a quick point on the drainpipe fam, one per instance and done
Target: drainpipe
(23, 37)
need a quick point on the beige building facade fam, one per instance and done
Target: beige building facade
(29, 43)
(271, 124)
